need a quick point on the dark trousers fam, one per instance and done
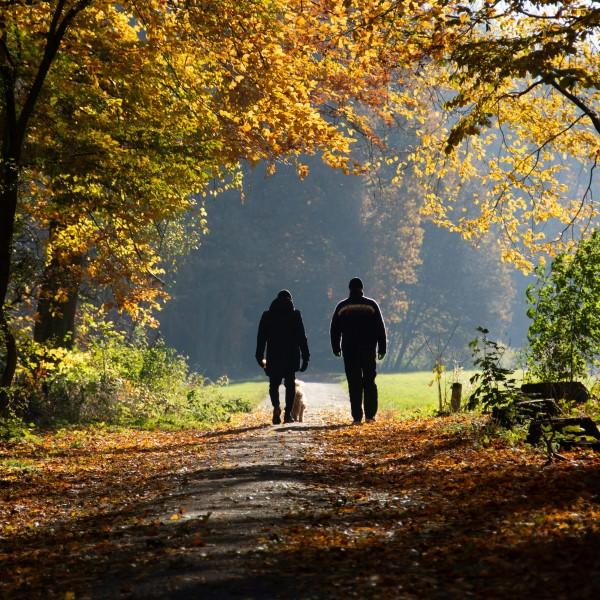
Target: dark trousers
(361, 370)
(289, 381)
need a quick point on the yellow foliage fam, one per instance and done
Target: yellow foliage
(150, 106)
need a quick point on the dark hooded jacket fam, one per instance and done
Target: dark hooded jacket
(357, 323)
(282, 332)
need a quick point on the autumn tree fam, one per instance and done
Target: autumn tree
(114, 163)
(512, 116)
(100, 173)
(243, 80)
(24, 68)
(393, 230)
(495, 92)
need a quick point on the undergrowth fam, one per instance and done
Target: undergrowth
(117, 382)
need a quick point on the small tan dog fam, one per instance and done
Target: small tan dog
(299, 405)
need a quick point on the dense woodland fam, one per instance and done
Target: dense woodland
(122, 125)
(311, 237)
(166, 170)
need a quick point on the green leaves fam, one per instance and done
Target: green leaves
(496, 389)
(564, 335)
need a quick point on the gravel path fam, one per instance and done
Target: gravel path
(234, 504)
(325, 403)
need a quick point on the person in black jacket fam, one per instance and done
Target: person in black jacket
(282, 332)
(358, 323)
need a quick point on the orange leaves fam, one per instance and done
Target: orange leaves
(156, 99)
(515, 146)
(415, 508)
(425, 493)
(302, 171)
(93, 470)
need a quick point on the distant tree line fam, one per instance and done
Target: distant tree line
(312, 237)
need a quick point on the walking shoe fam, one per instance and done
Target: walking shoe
(356, 422)
(276, 415)
(287, 418)
(370, 420)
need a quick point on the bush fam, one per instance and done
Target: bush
(118, 382)
(564, 335)
(495, 388)
(13, 429)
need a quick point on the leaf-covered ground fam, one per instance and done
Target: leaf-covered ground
(395, 509)
(419, 510)
(78, 503)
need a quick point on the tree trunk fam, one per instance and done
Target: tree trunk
(13, 127)
(57, 299)
(455, 397)
(10, 345)
(8, 207)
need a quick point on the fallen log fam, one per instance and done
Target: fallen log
(545, 407)
(557, 390)
(582, 429)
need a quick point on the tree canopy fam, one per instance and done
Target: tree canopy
(118, 120)
(515, 124)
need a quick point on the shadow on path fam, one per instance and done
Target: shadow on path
(302, 427)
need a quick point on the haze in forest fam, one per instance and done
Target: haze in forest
(311, 236)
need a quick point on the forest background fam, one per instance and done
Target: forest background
(166, 166)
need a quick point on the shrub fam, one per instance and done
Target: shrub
(115, 381)
(495, 389)
(13, 429)
(564, 335)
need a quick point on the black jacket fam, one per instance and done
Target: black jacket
(358, 323)
(282, 332)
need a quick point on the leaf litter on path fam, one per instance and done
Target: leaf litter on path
(407, 509)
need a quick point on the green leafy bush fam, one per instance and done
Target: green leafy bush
(495, 388)
(564, 335)
(117, 381)
(13, 429)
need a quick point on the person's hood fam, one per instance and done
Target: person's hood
(282, 304)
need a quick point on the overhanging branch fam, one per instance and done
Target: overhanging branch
(593, 116)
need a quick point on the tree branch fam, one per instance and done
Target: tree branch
(594, 117)
(56, 33)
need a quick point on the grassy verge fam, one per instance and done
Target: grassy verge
(407, 393)
(413, 394)
(203, 408)
(216, 404)
(250, 392)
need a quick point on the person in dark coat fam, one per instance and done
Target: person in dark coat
(357, 323)
(282, 332)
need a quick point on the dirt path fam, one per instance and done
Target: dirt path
(253, 486)
(327, 403)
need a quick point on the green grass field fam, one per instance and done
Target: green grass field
(251, 391)
(406, 393)
(414, 393)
